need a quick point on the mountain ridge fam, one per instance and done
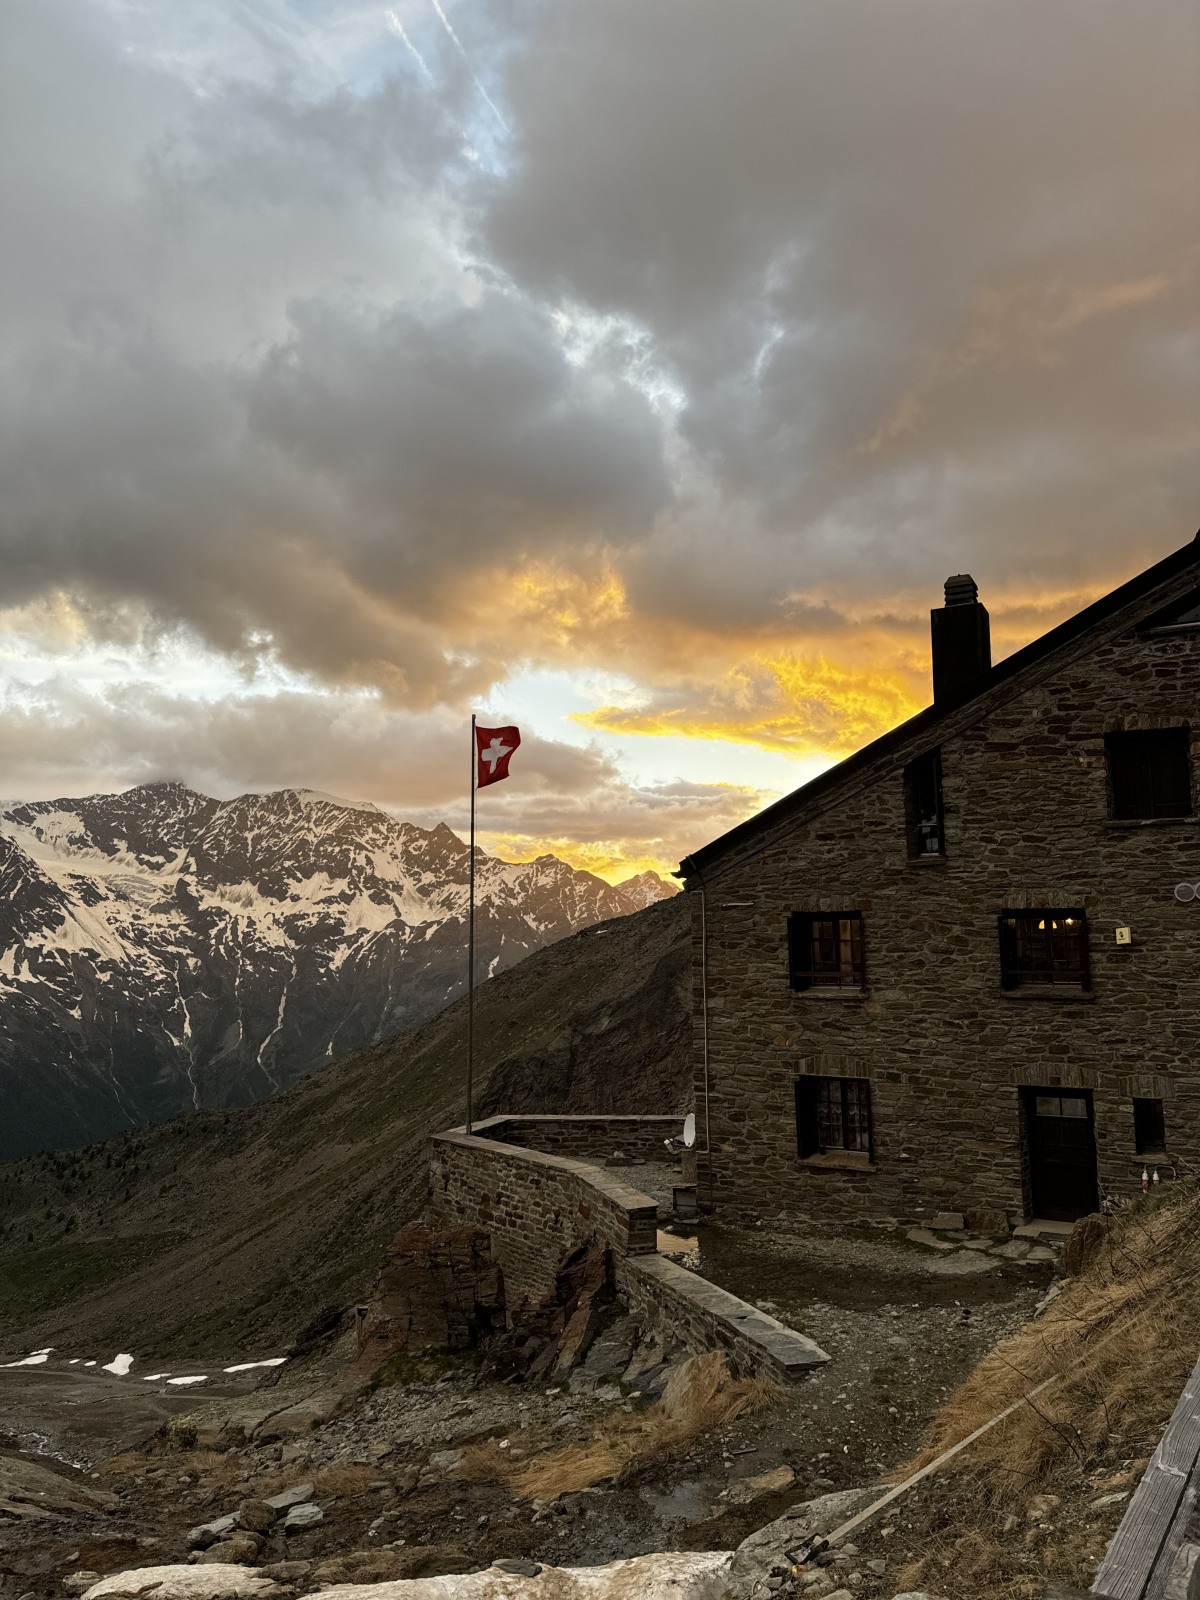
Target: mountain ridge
(160, 949)
(223, 1230)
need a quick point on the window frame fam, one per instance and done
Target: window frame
(807, 969)
(1147, 1124)
(840, 1107)
(1020, 967)
(1151, 792)
(924, 771)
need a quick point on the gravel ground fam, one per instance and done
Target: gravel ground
(899, 1328)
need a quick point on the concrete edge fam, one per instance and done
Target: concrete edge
(785, 1348)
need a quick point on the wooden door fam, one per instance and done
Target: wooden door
(1062, 1153)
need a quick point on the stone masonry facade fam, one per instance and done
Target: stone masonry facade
(947, 1051)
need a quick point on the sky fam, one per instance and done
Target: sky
(635, 371)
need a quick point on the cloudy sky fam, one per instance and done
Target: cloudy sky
(633, 370)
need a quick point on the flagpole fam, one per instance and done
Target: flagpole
(471, 935)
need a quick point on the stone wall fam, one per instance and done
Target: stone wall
(537, 1207)
(681, 1306)
(585, 1137)
(946, 1050)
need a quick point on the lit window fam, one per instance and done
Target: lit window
(826, 950)
(1044, 947)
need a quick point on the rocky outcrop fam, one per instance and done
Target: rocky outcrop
(438, 1289)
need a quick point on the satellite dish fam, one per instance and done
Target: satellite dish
(689, 1129)
(1185, 891)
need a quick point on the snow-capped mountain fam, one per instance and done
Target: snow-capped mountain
(161, 950)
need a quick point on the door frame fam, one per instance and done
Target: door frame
(1027, 1098)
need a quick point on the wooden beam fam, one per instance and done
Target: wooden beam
(1141, 1552)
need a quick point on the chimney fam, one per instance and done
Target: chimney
(962, 642)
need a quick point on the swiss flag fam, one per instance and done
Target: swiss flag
(494, 749)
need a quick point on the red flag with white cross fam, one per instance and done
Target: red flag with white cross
(494, 749)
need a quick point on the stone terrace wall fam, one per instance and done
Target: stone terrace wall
(536, 1207)
(587, 1138)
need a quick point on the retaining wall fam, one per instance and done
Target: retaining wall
(538, 1206)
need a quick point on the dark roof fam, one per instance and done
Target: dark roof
(926, 721)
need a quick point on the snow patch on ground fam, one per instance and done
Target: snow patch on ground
(246, 1366)
(119, 1365)
(34, 1360)
(201, 1377)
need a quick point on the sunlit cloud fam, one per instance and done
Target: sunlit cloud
(365, 366)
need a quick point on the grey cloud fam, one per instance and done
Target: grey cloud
(860, 236)
(254, 384)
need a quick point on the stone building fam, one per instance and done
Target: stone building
(961, 970)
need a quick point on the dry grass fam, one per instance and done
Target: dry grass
(342, 1480)
(1015, 1509)
(210, 1464)
(1119, 1342)
(701, 1396)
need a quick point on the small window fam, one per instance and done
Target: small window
(833, 1114)
(1149, 773)
(826, 950)
(1044, 947)
(1149, 1127)
(923, 806)
(1073, 1106)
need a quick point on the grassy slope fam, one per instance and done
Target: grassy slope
(224, 1232)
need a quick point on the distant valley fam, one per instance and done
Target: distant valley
(162, 951)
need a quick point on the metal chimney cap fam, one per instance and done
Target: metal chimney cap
(961, 590)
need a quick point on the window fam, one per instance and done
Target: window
(1149, 1127)
(833, 1114)
(1044, 947)
(923, 806)
(826, 950)
(1149, 773)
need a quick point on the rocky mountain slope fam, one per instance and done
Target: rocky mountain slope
(161, 950)
(227, 1230)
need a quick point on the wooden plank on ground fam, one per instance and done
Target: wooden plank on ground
(1140, 1553)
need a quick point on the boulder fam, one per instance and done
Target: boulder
(1084, 1243)
(257, 1516)
(295, 1496)
(382, 1566)
(686, 1575)
(185, 1583)
(237, 1549)
(209, 1532)
(301, 1517)
(763, 1549)
(79, 1582)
